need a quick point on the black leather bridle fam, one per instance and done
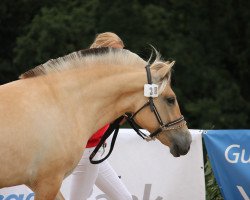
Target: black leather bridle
(150, 103)
(130, 118)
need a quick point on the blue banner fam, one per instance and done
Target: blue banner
(229, 153)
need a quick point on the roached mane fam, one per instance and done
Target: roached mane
(102, 55)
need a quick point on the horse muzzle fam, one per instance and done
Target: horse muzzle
(180, 144)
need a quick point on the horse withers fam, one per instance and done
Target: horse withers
(47, 117)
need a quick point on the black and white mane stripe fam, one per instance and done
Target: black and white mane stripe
(53, 64)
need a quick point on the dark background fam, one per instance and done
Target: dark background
(208, 39)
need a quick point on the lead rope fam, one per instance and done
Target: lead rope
(113, 126)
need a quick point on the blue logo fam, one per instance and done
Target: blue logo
(17, 197)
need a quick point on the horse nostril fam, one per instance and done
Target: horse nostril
(185, 151)
(181, 151)
(176, 148)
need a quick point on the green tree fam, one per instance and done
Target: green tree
(55, 32)
(14, 16)
(211, 64)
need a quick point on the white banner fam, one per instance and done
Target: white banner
(148, 170)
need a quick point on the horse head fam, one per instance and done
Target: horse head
(159, 111)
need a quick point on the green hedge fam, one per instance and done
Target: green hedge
(212, 188)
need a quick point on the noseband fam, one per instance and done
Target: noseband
(163, 126)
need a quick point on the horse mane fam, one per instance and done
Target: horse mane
(104, 54)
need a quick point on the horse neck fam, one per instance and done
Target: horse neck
(104, 94)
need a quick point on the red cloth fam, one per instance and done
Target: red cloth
(96, 137)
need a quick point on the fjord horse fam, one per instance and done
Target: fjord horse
(47, 117)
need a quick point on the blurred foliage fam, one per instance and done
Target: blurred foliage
(209, 40)
(212, 189)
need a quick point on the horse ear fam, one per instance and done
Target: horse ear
(161, 71)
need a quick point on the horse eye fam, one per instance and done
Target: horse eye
(171, 100)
